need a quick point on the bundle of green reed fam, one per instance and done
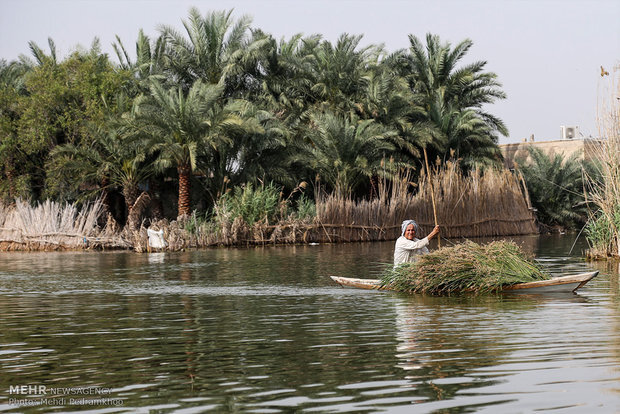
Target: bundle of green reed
(465, 267)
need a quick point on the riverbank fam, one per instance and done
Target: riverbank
(476, 205)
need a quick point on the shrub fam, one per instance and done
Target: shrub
(251, 204)
(555, 185)
(306, 208)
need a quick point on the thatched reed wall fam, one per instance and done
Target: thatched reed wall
(491, 204)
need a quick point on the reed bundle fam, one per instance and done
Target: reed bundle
(465, 267)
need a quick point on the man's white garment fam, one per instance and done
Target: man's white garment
(406, 250)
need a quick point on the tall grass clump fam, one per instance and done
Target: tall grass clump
(603, 229)
(306, 209)
(251, 204)
(465, 267)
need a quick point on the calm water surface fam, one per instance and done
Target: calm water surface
(264, 330)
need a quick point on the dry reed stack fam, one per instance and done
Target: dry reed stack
(492, 203)
(52, 226)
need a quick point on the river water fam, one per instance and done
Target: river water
(265, 330)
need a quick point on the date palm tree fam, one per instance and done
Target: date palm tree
(217, 49)
(149, 62)
(389, 101)
(346, 151)
(107, 160)
(454, 98)
(40, 57)
(339, 72)
(184, 127)
(262, 152)
(555, 184)
(287, 77)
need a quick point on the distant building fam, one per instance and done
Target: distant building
(584, 147)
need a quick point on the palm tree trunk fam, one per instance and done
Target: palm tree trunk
(130, 193)
(184, 190)
(135, 212)
(105, 195)
(157, 208)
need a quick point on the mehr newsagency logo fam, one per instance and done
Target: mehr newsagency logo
(38, 395)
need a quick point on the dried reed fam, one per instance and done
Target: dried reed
(492, 203)
(604, 225)
(51, 225)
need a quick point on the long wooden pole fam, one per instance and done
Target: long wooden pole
(430, 182)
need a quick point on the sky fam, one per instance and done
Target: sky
(547, 54)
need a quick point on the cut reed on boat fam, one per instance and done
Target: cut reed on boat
(465, 267)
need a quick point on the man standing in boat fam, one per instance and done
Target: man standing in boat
(408, 247)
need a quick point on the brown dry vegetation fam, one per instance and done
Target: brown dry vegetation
(489, 204)
(53, 226)
(604, 194)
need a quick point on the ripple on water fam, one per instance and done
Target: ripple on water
(266, 331)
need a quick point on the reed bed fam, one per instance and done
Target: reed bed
(603, 229)
(493, 203)
(52, 226)
(489, 204)
(465, 267)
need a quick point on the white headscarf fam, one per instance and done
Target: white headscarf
(408, 222)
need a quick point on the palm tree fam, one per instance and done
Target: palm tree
(108, 160)
(148, 64)
(345, 151)
(453, 98)
(39, 55)
(339, 72)
(469, 139)
(287, 72)
(217, 49)
(555, 184)
(183, 128)
(389, 101)
(262, 151)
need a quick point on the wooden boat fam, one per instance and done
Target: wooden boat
(555, 285)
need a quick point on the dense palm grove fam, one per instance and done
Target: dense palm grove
(219, 104)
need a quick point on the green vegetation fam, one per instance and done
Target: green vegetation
(466, 267)
(452, 99)
(252, 204)
(556, 188)
(602, 232)
(222, 105)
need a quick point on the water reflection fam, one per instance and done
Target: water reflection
(265, 330)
